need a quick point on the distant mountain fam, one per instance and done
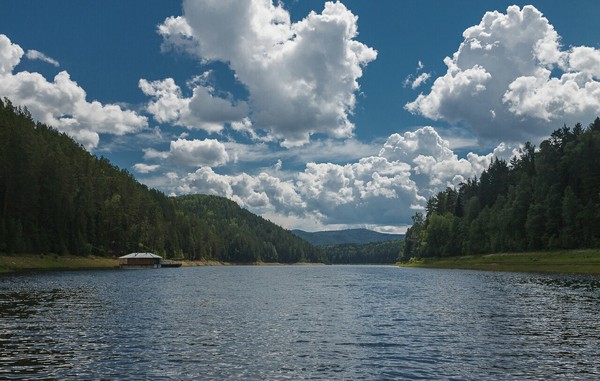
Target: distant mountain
(336, 237)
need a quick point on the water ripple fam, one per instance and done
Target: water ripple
(299, 323)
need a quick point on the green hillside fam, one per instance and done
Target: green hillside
(244, 237)
(57, 198)
(385, 252)
(547, 199)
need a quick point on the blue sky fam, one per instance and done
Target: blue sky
(315, 115)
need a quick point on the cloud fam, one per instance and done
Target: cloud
(554, 99)
(373, 190)
(62, 103)
(425, 142)
(177, 34)
(420, 79)
(198, 153)
(10, 55)
(203, 110)
(35, 55)
(585, 60)
(434, 166)
(245, 126)
(145, 168)
(510, 81)
(380, 190)
(301, 77)
(192, 153)
(260, 193)
(318, 150)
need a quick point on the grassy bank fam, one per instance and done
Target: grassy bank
(10, 263)
(564, 261)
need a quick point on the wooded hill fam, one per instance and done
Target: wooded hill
(355, 246)
(346, 236)
(384, 252)
(56, 197)
(546, 199)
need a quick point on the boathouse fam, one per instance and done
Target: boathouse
(140, 260)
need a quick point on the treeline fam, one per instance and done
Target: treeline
(545, 199)
(55, 197)
(386, 252)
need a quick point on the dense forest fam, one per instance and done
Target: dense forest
(548, 198)
(386, 252)
(56, 197)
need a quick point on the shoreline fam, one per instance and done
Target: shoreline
(11, 264)
(188, 263)
(563, 261)
(14, 264)
(585, 262)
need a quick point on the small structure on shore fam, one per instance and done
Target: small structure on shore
(140, 260)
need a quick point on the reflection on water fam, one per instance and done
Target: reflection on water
(295, 322)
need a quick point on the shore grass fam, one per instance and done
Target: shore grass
(562, 261)
(14, 263)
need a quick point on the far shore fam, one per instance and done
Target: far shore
(51, 262)
(562, 261)
(188, 263)
(43, 262)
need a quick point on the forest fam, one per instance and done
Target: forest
(57, 198)
(546, 199)
(386, 252)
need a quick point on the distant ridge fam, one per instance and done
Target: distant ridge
(337, 237)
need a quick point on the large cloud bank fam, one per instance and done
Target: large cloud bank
(61, 103)
(511, 80)
(301, 77)
(380, 190)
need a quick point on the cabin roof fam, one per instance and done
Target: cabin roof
(140, 255)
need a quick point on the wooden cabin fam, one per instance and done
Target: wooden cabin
(140, 260)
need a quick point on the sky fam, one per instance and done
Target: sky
(316, 115)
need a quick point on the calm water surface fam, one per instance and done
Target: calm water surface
(299, 322)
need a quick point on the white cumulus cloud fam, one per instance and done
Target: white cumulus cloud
(145, 168)
(62, 103)
(203, 110)
(10, 55)
(198, 153)
(510, 80)
(192, 153)
(301, 77)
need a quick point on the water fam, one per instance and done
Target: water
(299, 322)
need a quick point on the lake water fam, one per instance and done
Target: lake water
(299, 322)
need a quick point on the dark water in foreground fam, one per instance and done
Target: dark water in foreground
(299, 322)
